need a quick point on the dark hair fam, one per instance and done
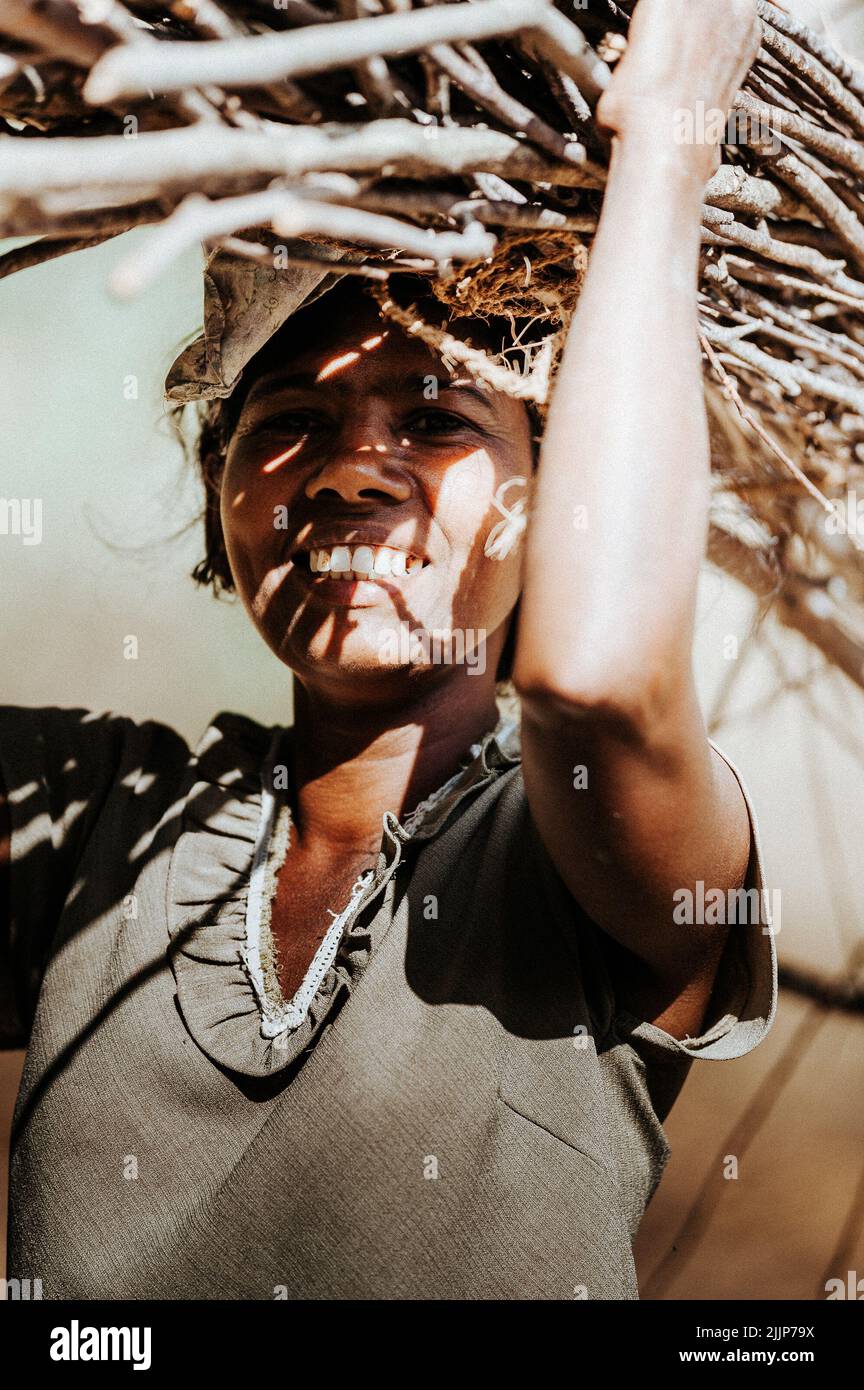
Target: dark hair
(217, 420)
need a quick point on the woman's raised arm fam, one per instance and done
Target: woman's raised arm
(603, 661)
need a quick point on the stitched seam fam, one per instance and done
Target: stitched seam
(292, 1014)
(508, 1105)
(280, 841)
(272, 842)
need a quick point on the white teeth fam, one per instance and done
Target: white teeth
(384, 558)
(363, 560)
(340, 560)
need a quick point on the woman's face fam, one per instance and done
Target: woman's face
(357, 448)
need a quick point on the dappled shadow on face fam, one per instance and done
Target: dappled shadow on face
(352, 432)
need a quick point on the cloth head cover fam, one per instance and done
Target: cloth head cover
(245, 303)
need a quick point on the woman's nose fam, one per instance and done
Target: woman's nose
(360, 471)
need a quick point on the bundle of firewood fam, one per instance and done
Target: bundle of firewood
(458, 141)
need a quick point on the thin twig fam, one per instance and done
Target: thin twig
(730, 390)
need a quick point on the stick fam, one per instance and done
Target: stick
(796, 257)
(832, 210)
(178, 158)
(815, 44)
(789, 375)
(266, 58)
(477, 81)
(729, 387)
(198, 219)
(849, 154)
(38, 252)
(738, 191)
(825, 82)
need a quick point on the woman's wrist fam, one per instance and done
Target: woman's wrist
(655, 157)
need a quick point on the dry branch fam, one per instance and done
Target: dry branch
(183, 158)
(259, 60)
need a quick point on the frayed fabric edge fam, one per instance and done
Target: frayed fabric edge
(259, 955)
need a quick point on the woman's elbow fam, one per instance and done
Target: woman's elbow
(633, 705)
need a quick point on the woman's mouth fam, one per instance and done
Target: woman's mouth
(357, 576)
(362, 561)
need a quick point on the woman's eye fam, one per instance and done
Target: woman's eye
(293, 423)
(437, 422)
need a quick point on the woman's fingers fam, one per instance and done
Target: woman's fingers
(681, 54)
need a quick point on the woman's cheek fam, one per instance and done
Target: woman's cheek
(465, 495)
(256, 509)
(485, 589)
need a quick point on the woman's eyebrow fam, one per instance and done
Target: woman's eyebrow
(415, 383)
(464, 386)
(274, 381)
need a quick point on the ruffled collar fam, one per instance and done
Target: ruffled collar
(235, 832)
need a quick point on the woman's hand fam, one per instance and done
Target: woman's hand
(680, 54)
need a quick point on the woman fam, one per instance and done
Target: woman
(383, 1005)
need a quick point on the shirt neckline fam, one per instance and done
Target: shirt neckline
(221, 846)
(273, 843)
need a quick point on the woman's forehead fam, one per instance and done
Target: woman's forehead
(347, 320)
(348, 351)
(343, 345)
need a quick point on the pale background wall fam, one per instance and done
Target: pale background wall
(114, 488)
(111, 479)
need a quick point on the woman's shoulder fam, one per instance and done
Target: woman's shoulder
(82, 747)
(103, 736)
(69, 757)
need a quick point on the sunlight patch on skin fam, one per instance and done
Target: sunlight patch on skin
(337, 364)
(239, 499)
(347, 359)
(475, 473)
(269, 584)
(283, 458)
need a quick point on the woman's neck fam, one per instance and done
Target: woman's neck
(351, 764)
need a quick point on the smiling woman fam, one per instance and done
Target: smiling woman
(463, 441)
(348, 442)
(393, 1002)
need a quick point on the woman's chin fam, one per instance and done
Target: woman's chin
(386, 657)
(363, 651)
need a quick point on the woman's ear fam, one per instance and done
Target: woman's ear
(214, 569)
